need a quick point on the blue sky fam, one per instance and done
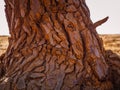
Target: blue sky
(98, 8)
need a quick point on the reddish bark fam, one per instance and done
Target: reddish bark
(53, 46)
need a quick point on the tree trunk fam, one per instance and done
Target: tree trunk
(53, 46)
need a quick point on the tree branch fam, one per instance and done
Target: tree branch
(100, 22)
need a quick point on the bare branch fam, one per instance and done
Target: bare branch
(100, 22)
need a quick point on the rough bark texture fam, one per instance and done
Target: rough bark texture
(53, 46)
(113, 60)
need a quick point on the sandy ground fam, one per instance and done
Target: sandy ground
(111, 42)
(3, 44)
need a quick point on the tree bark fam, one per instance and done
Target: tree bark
(53, 46)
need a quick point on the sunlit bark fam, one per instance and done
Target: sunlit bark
(53, 46)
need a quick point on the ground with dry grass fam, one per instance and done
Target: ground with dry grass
(112, 42)
(3, 44)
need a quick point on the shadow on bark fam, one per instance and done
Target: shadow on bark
(113, 61)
